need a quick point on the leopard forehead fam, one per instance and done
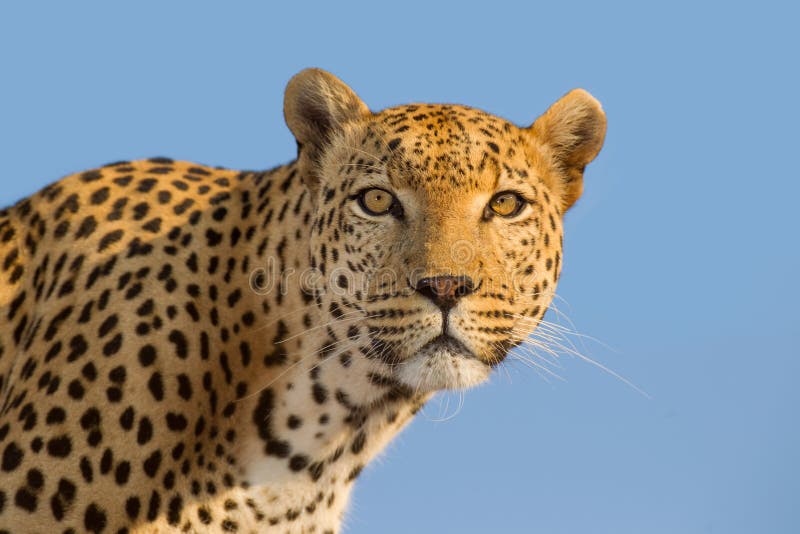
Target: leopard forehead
(438, 148)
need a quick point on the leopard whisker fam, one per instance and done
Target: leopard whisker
(446, 395)
(537, 368)
(581, 356)
(530, 348)
(346, 318)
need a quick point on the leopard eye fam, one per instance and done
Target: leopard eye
(376, 201)
(506, 204)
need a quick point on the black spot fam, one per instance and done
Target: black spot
(89, 372)
(352, 332)
(86, 469)
(126, 419)
(134, 291)
(335, 310)
(132, 507)
(63, 498)
(153, 506)
(87, 227)
(108, 325)
(359, 442)
(35, 479)
(60, 446)
(393, 144)
(169, 480)
(145, 432)
(116, 212)
(219, 213)
(99, 196)
(153, 225)
(29, 415)
(181, 208)
(106, 461)
(493, 146)
(91, 176)
(147, 355)
(204, 515)
(156, 386)
(294, 422)
(152, 463)
(184, 387)
(181, 346)
(113, 346)
(191, 263)
(177, 451)
(175, 507)
(78, 347)
(146, 185)
(55, 416)
(76, 389)
(213, 238)
(176, 422)
(94, 519)
(298, 462)
(26, 500)
(90, 418)
(62, 229)
(234, 297)
(315, 470)
(122, 472)
(319, 392)
(117, 374)
(354, 473)
(109, 239)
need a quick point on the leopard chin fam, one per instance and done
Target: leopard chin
(442, 363)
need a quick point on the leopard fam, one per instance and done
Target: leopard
(187, 348)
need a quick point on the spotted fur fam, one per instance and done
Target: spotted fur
(196, 349)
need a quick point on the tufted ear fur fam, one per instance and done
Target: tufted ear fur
(316, 105)
(574, 128)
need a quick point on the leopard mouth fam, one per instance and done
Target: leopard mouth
(442, 363)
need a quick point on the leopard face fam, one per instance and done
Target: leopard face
(438, 228)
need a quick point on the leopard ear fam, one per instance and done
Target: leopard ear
(316, 105)
(574, 129)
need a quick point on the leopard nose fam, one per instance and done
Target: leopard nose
(444, 291)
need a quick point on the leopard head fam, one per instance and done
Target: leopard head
(437, 229)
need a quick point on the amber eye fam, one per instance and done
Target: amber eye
(376, 201)
(506, 204)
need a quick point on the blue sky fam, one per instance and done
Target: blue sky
(682, 258)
